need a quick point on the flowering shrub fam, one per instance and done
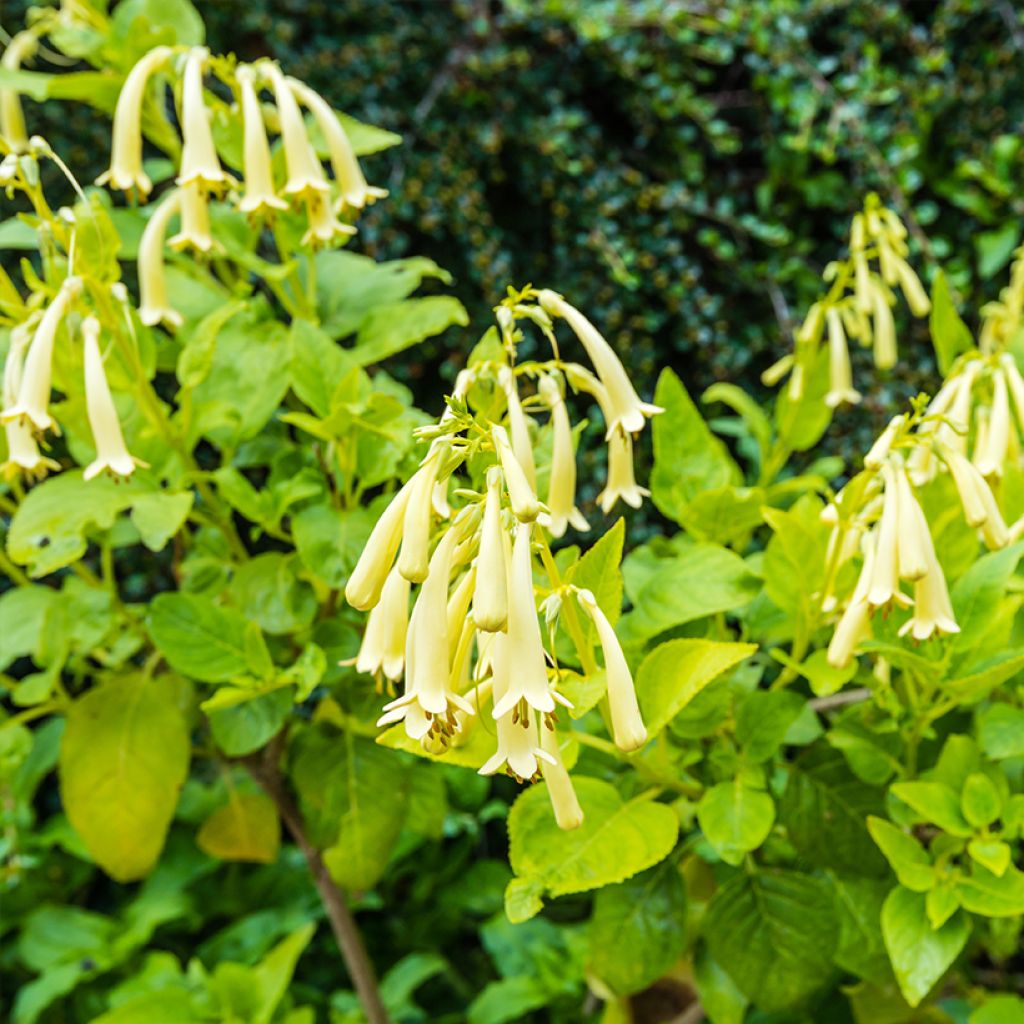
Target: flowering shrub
(768, 764)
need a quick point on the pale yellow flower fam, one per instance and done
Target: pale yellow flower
(355, 193)
(564, 802)
(885, 585)
(841, 387)
(528, 680)
(518, 426)
(628, 728)
(1015, 382)
(383, 646)
(305, 175)
(195, 220)
(626, 413)
(23, 454)
(970, 485)
(879, 451)
(855, 622)
(33, 399)
(323, 226)
(364, 586)
(621, 479)
(933, 611)
(490, 598)
(991, 456)
(260, 197)
(953, 432)
(914, 539)
(884, 327)
(522, 497)
(112, 455)
(913, 292)
(562, 510)
(458, 605)
(199, 162)
(413, 562)
(154, 307)
(12, 118)
(126, 173)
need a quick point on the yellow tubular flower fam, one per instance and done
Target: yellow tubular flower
(518, 426)
(154, 307)
(1015, 382)
(913, 539)
(879, 451)
(195, 220)
(854, 624)
(933, 611)
(517, 740)
(12, 118)
(562, 508)
(521, 496)
(627, 726)
(383, 646)
(199, 162)
(355, 193)
(305, 175)
(324, 226)
(884, 328)
(458, 606)
(991, 457)
(112, 454)
(621, 480)
(23, 455)
(529, 678)
(564, 802)
(885, 585)
(913, 291)
(364, 586)
(970, 486)
(33, 400)
(126, 173)
(490, 598)
(841, 387)
(626, 413)
(953, 433)
(862, 283)
(414, 560)
(993, 530)
(260, 197)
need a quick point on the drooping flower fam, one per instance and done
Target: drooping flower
(458, 604)
(528, 677)
(914, 539)
(413, 562)
(199, 162)
(112, 455)
(854, 623)
(564, 802)
(33, 399)
(260, 197)
(355, 193)
(879, 451)
(522, 498)
(195, 220)
(562, 510)
(154, 307)
(628, 727)
(305, 175)
(933, 611)
(885, 576)
(364, 586)
(621, 479)
(518, 427)
(126, 173)
(12, 117)
(913, 291)
(884, 327)
(323, 226)
(383, 646)
(23, 454)
(970, 485)
(841, 387)
(991, 455)
(626, 414)
(490, 596)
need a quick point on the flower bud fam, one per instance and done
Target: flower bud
(564, 802)
(990, 456)
(522, 498)
(490, 598)
(841, 387)
(884, 328)
(12, 118)
(879, 451)
(414, 559)
(518, 426)
(562, 508)
(913, 291)
(364, 586)
(383, 646)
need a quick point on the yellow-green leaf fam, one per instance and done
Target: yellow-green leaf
(245, 828)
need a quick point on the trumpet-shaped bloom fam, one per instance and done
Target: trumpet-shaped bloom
(885, 577)
(1015, 382)
(260, 197)
(355, 193)
(562, 508)
(33, 400)
(626, 413)
(154, 307)
(414, 560)
(840, 387)
(383, 646)
(953, 432)
(854, 624)
(564, 802)
(884, 327)
(528, 676)
(621, 479)
(12, 118)
(933, 611)
(879, 451)
(914, 539)
(323, 226)
(23, 454)
(521, 496)
(112, 455)
(628, 727)
(991, 455)
(305, 175)
(490, 598)
(126, 173)
(458, 605)
(199, 162)
(364, 586)
(518, 426)
(970, 486)
(913, 291)
(195, 220)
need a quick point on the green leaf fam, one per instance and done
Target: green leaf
(980, 800)
(616, 840)
(688, 458)
(749, 411)
(268, 591)
(246, 828)
(1000, 727)
(992, 854)
(676, 671)
(933, 802)
(719, 996)
(123, 760)
(523, 899)
(507, 1000)
(24, 612)
(824, 810)
(354, 795)
(776, 933)
(999, 1009)
(735, 818)
(983, 892)
(199, 638)
(861, 948)
(329, 540)
(703, 579)
(794, 559)
(598, 571)
(638, 929)
(367, 139)
(391, 329)
(950, 334)
(159, 516)
(242, 729)
(906, 856)
(724, 515)
(978, 593)
(995, 248)
(984, 678)
(920, 954)
(763, 718)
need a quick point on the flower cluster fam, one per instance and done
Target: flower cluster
(473, 645)
(261, 193)
(858, 305)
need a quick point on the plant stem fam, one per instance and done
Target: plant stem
(346, 932)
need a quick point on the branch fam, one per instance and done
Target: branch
(263, 768)
(838, 700)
